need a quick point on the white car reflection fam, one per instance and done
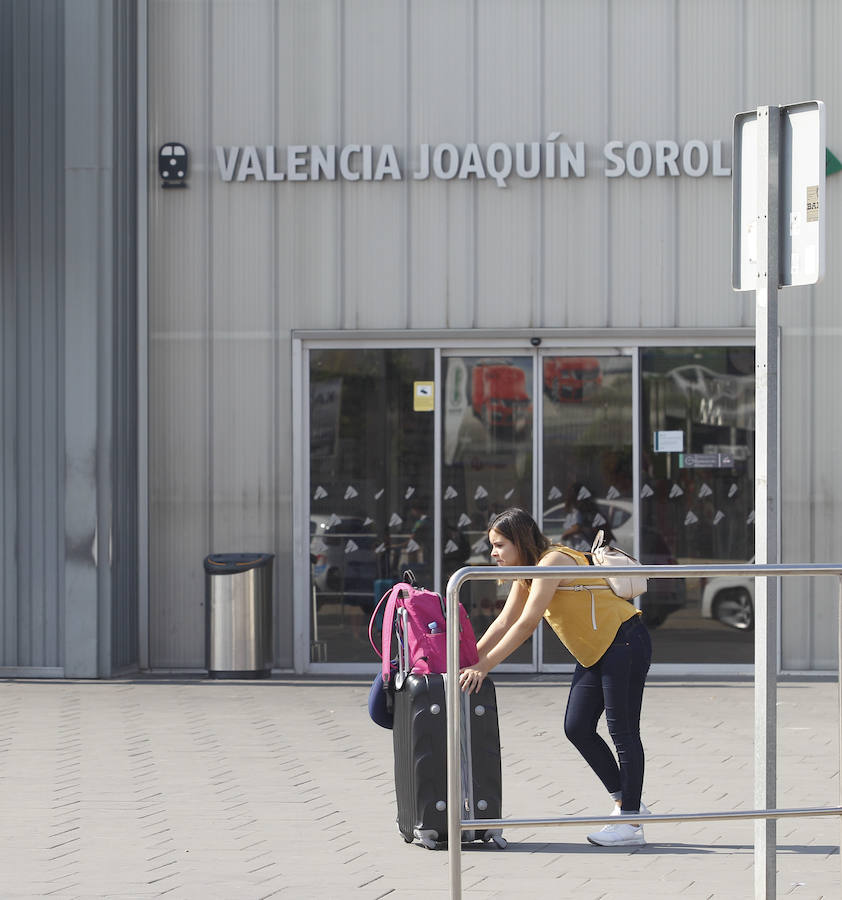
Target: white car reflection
(730, 599)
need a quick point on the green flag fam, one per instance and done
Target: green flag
(832, 164)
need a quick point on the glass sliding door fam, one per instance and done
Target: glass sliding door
(552, 431)
(486, 464)
(587, 476)
(371, 487)
(697, 493)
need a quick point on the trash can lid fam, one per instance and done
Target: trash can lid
(226, 563)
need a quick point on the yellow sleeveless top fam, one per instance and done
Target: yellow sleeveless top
(586, 616)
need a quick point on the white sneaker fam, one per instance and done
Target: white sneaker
(619, 835)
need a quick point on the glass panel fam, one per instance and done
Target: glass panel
(587, 471)
(371, 482)
(697, 495)
(486, 467)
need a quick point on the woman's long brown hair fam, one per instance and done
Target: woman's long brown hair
(517, 526)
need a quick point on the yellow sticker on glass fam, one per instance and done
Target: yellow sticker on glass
(423, 396)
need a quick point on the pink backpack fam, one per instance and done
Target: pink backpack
(417, 617)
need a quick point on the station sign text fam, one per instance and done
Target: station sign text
(497, 161)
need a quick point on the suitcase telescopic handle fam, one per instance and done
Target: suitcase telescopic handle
(403, 649)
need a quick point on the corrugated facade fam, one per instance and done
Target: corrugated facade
(68, 420)
(236, 268)
(32, 352)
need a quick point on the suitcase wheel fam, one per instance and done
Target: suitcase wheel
(498, 839)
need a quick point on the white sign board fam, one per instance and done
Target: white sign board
(744, 203)
(801, 197)
(802, 193)
(669, 441)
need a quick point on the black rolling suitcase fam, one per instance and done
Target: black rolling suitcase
(420, 742)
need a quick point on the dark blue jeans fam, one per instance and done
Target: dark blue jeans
(614, 684)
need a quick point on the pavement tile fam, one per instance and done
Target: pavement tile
(184, 788)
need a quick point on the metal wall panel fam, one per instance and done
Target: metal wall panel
(242, 295)
(308, 110)
(643, 106)
(507, 61)
(702, 237)
(811, 498)
(778, 52)
(180, 223)
(440, 275)
(98, 456)
(8, 345)
(124, 598)
(575, 248)
(374, 103)
(235, 267)
(31, 202)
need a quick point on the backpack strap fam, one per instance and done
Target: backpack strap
(388, 625)
(583, 558)
(373, 620)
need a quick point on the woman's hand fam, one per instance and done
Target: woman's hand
(472, 677)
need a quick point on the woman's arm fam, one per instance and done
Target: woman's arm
(507, 616)
(523, 619)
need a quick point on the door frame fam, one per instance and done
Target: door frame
(534, 353)
(471, 342)
(539, 489)
(538, 353)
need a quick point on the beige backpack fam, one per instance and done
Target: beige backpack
(626, 586)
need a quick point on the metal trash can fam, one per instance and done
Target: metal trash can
(238, 615)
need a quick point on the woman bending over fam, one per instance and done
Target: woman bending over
(612, 649)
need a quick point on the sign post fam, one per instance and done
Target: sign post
(766, 510)
(778, 240)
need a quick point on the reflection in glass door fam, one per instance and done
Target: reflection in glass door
(375, 488)
(371, 488)
(587, 478)
(486, 467)
(697, 494)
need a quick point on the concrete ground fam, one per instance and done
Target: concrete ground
(190, 788)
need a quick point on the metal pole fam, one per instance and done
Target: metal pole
(766, 497)
(454, 761)
(839, 688)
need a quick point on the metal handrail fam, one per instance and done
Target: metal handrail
(455, 823)
(807, 812)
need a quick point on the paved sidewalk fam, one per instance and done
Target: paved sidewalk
(190, 788)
